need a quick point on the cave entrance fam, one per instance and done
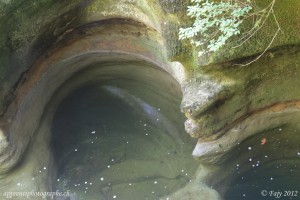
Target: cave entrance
(119, 134)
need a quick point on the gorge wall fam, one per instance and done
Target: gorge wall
(244, 119)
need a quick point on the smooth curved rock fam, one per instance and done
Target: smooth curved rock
(51, 48)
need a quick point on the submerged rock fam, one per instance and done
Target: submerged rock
(130, 49)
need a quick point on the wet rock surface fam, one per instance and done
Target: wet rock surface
(246, 118)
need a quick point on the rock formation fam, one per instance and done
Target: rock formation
(245, 118)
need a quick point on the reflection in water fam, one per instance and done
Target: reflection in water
(112, 145)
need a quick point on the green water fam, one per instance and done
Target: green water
(107, 149)
(279, 180)
(269, 171)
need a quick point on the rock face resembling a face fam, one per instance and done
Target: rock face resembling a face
(245, 118)
(247, 122)
(227, 98)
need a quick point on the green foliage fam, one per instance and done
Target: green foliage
(214, 22)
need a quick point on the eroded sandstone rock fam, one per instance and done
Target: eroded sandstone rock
(229, 108)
